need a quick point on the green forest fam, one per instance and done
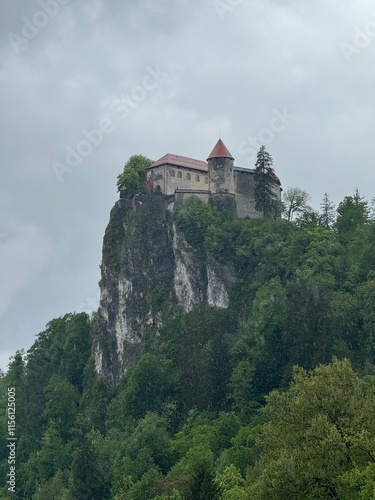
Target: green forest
(272, 398)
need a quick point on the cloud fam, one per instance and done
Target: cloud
(23, 255)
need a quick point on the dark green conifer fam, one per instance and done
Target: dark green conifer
(265, 198)
(88, 480)
(327, 215)
(203, 485)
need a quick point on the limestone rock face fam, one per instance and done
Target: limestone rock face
(149, 274)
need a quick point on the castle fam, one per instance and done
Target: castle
(217, 178)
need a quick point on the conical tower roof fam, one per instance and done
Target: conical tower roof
(220, 151)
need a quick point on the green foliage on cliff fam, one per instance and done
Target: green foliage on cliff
(132, 179)
(215, 406)
(196, 218)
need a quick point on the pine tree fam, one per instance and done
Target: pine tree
(204, 486)
(352, 212)
(327, 215)
(88, 480)
(264, 194)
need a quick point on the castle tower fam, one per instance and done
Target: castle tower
(220, 169)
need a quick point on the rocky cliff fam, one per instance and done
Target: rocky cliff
(149, 274)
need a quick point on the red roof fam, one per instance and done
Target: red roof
(271, 172)
(220, 151)
(181, 161)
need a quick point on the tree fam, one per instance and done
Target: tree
(174, 496)
(243, 452)
(149, 446)
(295, 201)
(264, 189)
(88, 480)
(62, 400)
(261, 348)
(308, 336)
(346, 316)
(57, 487)
(95, 398)
(366, 293)
(203, 485)
(151, 381)
(16, 371)
(320, 432)
(44, 464)
(133, 178)
(193, 220)
(197, 343)
(77, 348)
(142, 489)
(360, 253)
(352, 212)
(231, 483)
(327, 214)
(309, 218)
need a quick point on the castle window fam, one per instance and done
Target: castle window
(206, 180)
(197, 178)
(158, 175)
(188, 176)
(179, 175)
(172, 173)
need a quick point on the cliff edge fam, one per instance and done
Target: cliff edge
(149, 274)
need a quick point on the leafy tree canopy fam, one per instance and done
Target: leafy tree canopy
(295, 201)
(132, 179)
(319, 438)
(352, 212)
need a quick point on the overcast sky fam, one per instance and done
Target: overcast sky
(85, 84)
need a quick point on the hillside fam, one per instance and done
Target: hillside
(184, 384)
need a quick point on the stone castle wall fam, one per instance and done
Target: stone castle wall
(182, 197)
(221, 175)
(244, 193)
(222, 178)
(169, 178)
